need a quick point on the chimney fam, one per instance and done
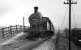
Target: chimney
(35, 9)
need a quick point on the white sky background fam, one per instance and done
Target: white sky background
(12, 12)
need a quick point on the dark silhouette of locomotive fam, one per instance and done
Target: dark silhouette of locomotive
(38, 26)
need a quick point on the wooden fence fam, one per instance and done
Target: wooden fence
(11, 31)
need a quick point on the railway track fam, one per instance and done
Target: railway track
(24, 44)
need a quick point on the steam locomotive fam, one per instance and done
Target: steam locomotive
(38, 26)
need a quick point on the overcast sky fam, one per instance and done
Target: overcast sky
(12, 12)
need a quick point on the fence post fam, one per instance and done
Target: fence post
(10, 31)
(16, 29)
(2, 32)
(20, 28)
(24, 28)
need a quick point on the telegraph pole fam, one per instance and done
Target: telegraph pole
(70, 2)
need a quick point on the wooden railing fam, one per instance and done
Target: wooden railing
(11, 31)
